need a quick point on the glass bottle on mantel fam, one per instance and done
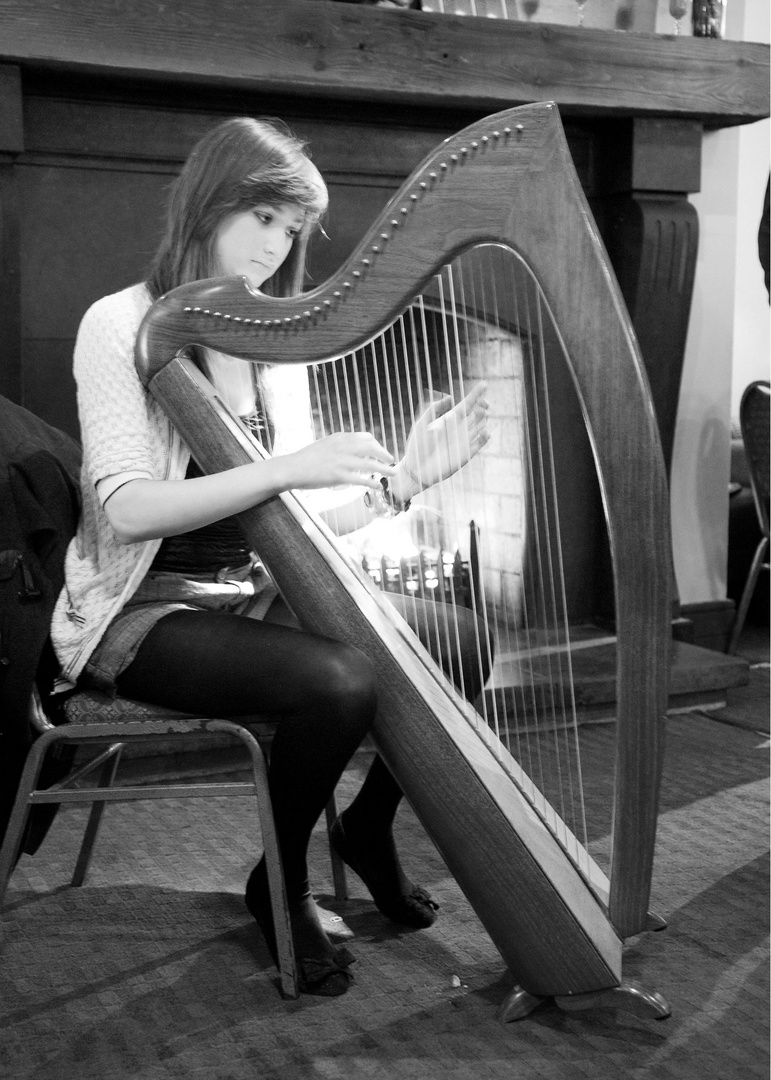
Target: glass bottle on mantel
(708, 18)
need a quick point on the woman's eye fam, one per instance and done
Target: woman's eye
(262, 216)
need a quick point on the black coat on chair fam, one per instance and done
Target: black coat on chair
(39, 507)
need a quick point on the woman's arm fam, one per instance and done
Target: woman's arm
(144, 509)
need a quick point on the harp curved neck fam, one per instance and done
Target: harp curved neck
(484, 184)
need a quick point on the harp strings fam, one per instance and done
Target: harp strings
(487, 539)
(551, 761)
(550, 594)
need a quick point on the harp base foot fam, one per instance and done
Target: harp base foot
(655, 923)
(518, 1004)
(630, 997)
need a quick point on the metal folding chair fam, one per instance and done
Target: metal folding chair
(754, 412)
(108, 725)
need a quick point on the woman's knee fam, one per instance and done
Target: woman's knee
(348, 683)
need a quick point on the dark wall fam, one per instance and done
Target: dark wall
(87, 230)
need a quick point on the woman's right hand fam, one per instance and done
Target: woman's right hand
(354, 457)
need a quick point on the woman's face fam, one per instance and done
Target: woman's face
(254, 243)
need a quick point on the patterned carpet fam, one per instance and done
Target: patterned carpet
(153, 969)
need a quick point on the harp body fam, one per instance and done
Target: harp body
(506, 181)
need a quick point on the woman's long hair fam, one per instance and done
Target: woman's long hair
(238, 164)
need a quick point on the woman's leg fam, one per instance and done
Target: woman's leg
(321, 692)
(459, 642)
(457, 639)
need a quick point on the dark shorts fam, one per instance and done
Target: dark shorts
(247, 591)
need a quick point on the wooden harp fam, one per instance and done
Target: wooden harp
(503, 188)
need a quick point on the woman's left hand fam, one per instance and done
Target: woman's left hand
(443, 439)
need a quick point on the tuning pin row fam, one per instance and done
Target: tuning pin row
(366, 262)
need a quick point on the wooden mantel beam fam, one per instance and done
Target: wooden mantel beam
(317, 48)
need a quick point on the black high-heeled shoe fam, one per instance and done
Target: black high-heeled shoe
(415, 909)
(324, 974)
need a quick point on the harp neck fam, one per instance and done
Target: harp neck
(480, 185)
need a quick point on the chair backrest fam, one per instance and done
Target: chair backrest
(754, 413)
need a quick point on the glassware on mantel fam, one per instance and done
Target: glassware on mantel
(529, 7)
(581, 5)
(678, 8)
(709, 18)
(625, 15)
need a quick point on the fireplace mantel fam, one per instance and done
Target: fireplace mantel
(323, 49)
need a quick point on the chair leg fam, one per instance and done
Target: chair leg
(747, 593)
(339, 878)
(284, 946)
(106, 777)
(14, 833)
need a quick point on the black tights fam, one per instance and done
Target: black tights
(321, 692)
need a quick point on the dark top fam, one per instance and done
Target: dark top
(213, 547)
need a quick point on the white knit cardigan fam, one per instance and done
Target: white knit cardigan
(123, 430)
